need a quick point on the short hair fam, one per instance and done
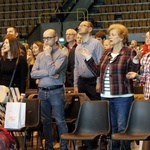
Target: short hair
(72, 30)
(100, 34)
(90, 24)
(16, 30)
(122, 31)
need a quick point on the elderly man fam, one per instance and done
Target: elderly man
(71, 45)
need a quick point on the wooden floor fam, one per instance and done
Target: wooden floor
(36, 146)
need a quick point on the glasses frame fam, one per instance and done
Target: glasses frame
(48, 38)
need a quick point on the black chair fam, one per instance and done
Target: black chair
(93, 122)
(33, 119)
(138, 126)
(71, 112)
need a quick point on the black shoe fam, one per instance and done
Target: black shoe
(82, 147)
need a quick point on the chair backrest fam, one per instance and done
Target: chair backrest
(138, 120)
(71, 111)
(94, 117)
(32, 112)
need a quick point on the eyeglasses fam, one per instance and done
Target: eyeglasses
(83, 25)
(48, 38)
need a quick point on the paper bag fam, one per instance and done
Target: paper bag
(15, 115)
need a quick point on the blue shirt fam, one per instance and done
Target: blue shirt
(81, 69)
(50, 70)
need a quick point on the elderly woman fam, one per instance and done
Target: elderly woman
(112, 82)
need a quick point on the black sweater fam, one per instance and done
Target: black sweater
(6, 70)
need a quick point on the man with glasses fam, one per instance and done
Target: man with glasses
(71, 44)
(84, 80)
(50, 68)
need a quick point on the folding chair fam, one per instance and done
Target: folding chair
(93, 123)
(71, 112)
(138, 126)
(33, 119)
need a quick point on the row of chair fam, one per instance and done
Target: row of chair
(131, 30)
(93, 123)
(127, 23)
(27, 6)
(120, 16)
(122, 7)
(17, 2)
(123, 1)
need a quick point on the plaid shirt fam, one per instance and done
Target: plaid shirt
(145, 77)
(120, 66)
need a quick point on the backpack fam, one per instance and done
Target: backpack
(7, 141)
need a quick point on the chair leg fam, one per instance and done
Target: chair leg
(40, 134)
(70, 144)
(74, 145)
(99, 145)
(110, 144)
(24, 141)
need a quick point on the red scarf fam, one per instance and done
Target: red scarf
(145, 49)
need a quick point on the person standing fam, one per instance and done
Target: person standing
(144, 77)
(146, 45)
(113, 84)
(37, 47)
(13, 30)
(84, 80)
(50, 68)
(101, 36)
(10, 55)
(71, 45)
(78, 39)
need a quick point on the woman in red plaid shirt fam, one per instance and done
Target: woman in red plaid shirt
(145, 64)
(112, 83)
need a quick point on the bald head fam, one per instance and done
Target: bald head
(50, 37)
(71, 31)
(71, 35)
(50, 31)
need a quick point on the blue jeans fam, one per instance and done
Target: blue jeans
(52, 105)
(119, 110)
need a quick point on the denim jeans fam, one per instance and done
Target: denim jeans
(119, 110)
(52, 105)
